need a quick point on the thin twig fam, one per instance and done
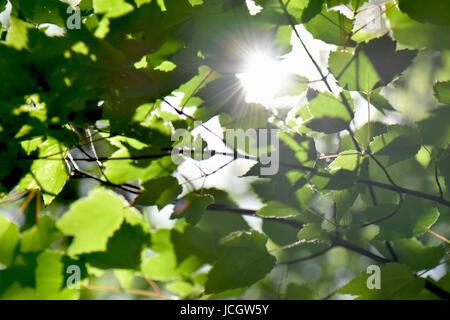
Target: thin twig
(390, 215)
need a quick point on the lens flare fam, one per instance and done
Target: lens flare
(263, 78)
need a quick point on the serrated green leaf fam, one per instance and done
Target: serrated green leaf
(354, 72)
(95, 219)
(49, 176)
(331, 27)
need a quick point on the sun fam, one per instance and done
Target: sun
(264, 76)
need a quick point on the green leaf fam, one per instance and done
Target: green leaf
(250, 261)
(9, 238)
(414, 218)
(354, 72)
(431, 11)
(347, 160)
(49, 176)
(413, 34)
(163, 265)
(397, 282)
(314, 8)
(331, 27)
(192, 207)
(387, 60)
(49, 285)
(362, 134)
(295, 291)
(40, 236)
(435, 129)
(310, 231)
(202, 240)
(379, 101)
(112, 8)
(159, 191)
(95, 219)
(121, 171)
(442, 91)
(414, 253)
(17, 36)
(276, 209)
(399, 143)
(295, 85)
(327, 114)
(123, 250)
(37, 12)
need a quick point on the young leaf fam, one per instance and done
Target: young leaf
(95, 219)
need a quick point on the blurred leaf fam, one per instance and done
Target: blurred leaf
(397, 282)
(327, 114)
(123, 250)
(435, 129)
(347, 160)
(276, 209)
(314, 8)
(112, 8)
(248, 255)
(431, 11)
(414, 254)
(159, 191)
(192, 207)
(9, 239)
(40, 236)
(442, 91)
(399, 143)
(413, 219)
(331, 27)
(48, 281)
(413, 34)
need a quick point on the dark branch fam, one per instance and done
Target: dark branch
(247, 212)
(407, 191)
(314, 255)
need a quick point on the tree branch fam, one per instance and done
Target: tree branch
(407, 191)
(247, 212)
(314, 255)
